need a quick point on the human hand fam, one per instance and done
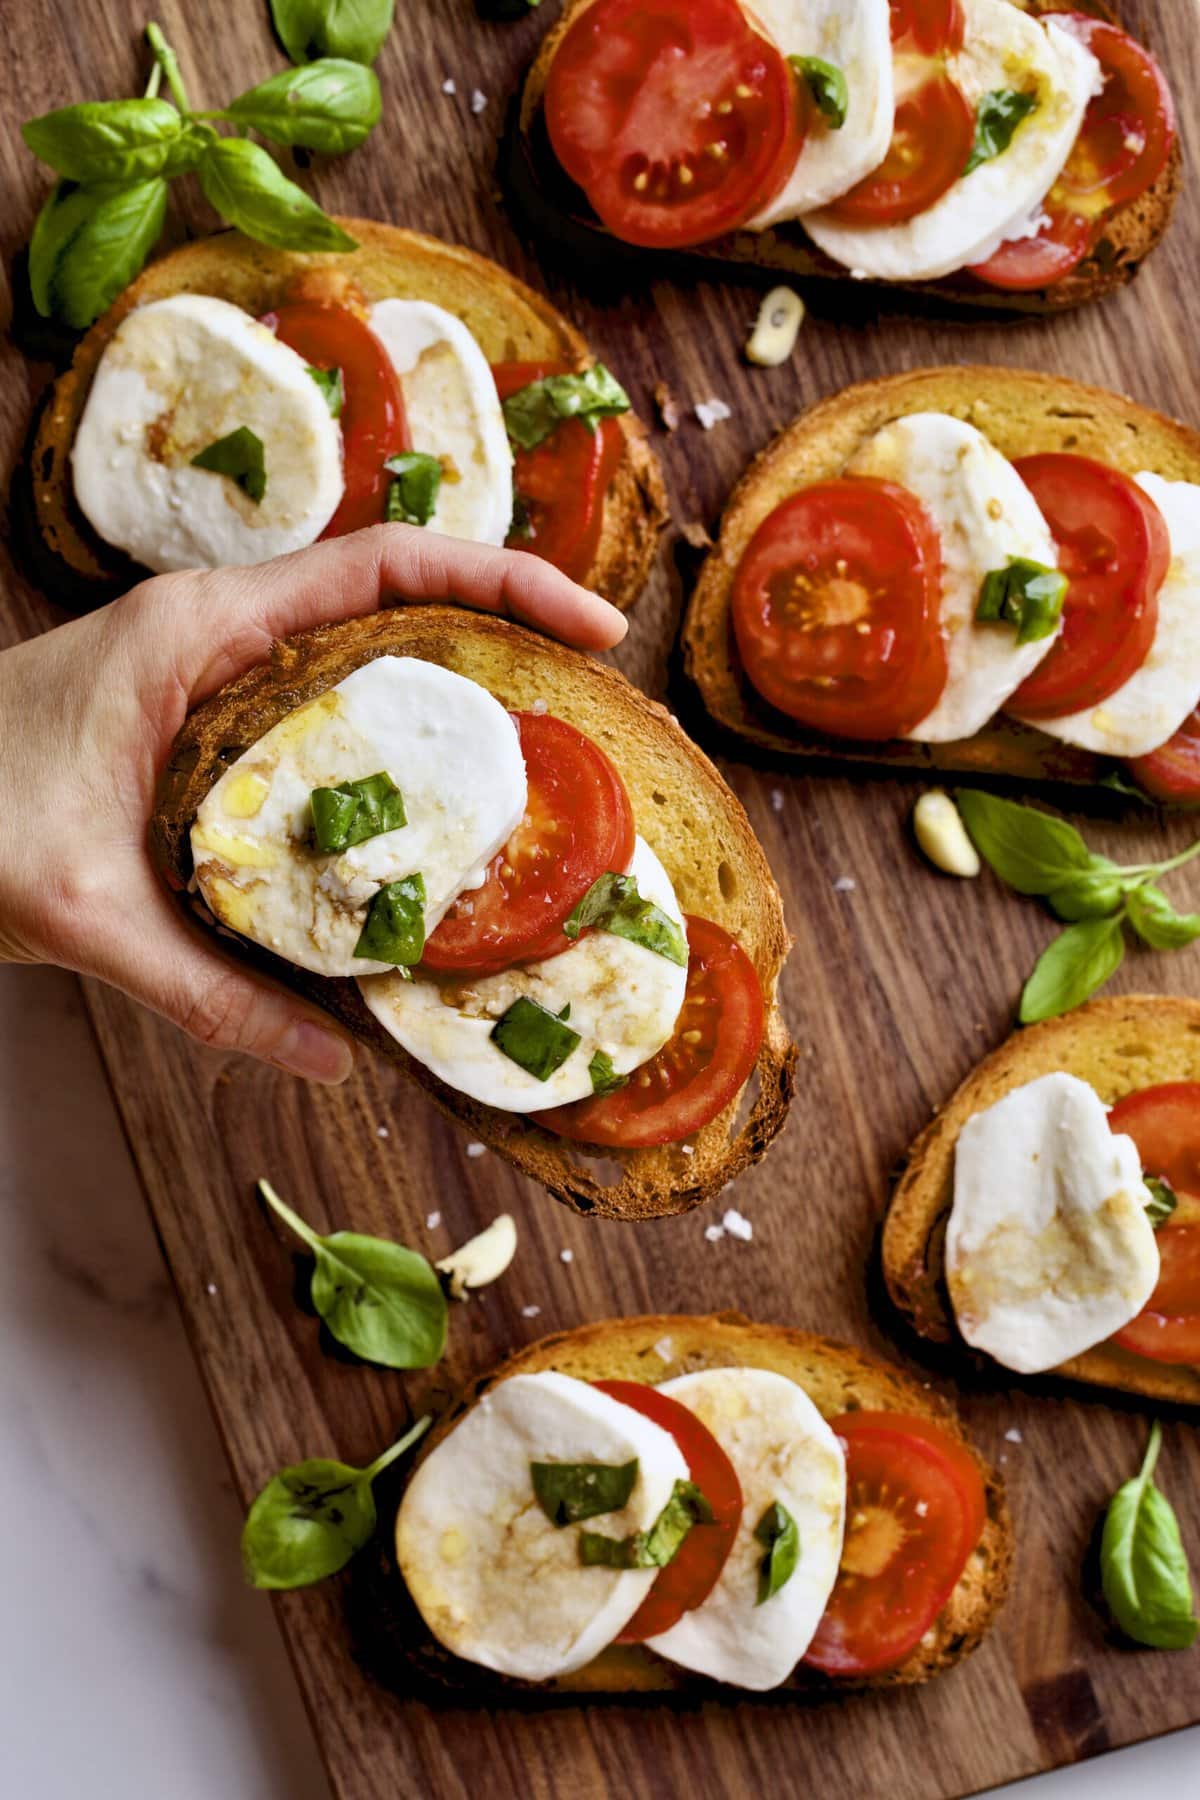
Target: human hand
(91, 709)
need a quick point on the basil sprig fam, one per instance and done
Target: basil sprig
(311, 1518)
(355, 811)
(604, 1077)
(1143, 1567)
(827, 85)
(533, 412)
(381, 1301)
(996, 119)
(239, 456)
(412, 496)
(351, 28)
(1043, 856)
(1026, 594)
(1163, 1199)
(333, 387)
(613, 903)
(779, 1535)
(536, 1039)
(568, 1492)
(394, 930)
(655, 1548)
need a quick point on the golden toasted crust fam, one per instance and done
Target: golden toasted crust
(510, 322)
(683, 809)
(1022, 413)
(837, 1378)
(1120, 1047)
(1129, 234)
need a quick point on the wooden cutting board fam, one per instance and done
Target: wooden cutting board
(896, 985)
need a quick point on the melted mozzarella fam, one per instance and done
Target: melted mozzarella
(453, 413)
(1003, 49)
(178, 375)
(494, 1580)
(1151, 706)
(856, 39)
(623, 999)
(781, 1449)
(984, 515)
(1049, 1249)
(450, 748)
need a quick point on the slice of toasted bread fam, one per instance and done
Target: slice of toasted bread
(552, 200)
(1119, 1046)
(1022, 413)
(836, 1377)
(683, 809)
(510, 322)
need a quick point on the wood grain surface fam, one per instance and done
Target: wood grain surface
(895, 986)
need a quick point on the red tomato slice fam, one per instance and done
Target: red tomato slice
(563, 482)
(1164, 1123)
(931, 141)
(1114, 546)
(1172, 773)
(691, 1575)
(373, 422)
(928, 27)
(1059, 245)
(674, 116)
(697, 1073)
(578, 823)
(836, 605)
(1129, 127)
(915, 1507)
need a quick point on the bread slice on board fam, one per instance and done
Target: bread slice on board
(683, 809)
(837, 1379)
(510, 322)
(556, 205)
(1022, 413)
(1119, 1046)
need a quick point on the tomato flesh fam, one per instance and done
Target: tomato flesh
(836, 605)
(675, 117)
(578, 824)
(1114, 547)
(372, 418)
(928, 27)
(931, 141)
(1164, 1123)
(698, 1071)
(915, 1507)
(692, 1573)
(1172, 773)
(1059, 245)
(562, 482)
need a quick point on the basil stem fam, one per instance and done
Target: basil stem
(534, 1038)
(613, 903)
(1143, 1567)
(779, 1534)
(239, 456)
(394, 931)
(568, 1492)
(355, 811)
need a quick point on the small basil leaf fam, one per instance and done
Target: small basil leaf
(249, 190)
(605, 1079)
(779, 1535)
(1158, 924)
(996, 119)
(351, 28)
(394, 931)
(613, 903)
(533, 412)
(827, 85)
(238, 455)
(1030, 850)
(328, 106)
(1092, 894)
(1163, 1199)
(354, 811)
(89, 243)
(533, 1038)
(1121, 784)
(106, 140)
(187, 150)
(1070, 970)
(413, 495)
(1144, 1571)
(655, 1548)
(333, 386)
(1025, 594)
(568, 1492)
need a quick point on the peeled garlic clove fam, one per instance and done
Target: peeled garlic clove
(942, 835)
(481, 1259)
(774, 336)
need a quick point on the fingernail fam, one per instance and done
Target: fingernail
(313, 1052)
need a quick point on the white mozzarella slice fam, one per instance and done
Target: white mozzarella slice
(1049, 1249)
(857, 40)
(450, 748)
(782, 1450)
(623, 1000)
(1151, 706)
(177, 376)
(493, 1579)
(985, 515)
(1003, 48)
(453, 413)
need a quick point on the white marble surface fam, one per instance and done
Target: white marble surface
(134, 1661)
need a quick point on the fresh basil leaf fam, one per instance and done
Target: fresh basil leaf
(568, 1492)
(106, 140)
(238, 455)
(354, 811)
(613, 903)
(605, 1079)
(1071, 969)
(187, 151)
(533, 412)
(533, 1038)
(827, 85)
(1143, 1567)
(328, 106)
(351, 28)
(1030, 850)
(394, 931)
(996, 119)
(333, 387)
(250, 190)
(1092, 894)
(413, 495)
(1157, 923)
(655, 1548)
(1025, 594)
(1121, 784)
(89, 243)
(779, 1535)
(1163, 1199)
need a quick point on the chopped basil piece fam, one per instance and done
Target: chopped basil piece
(1025, 594)
(779, 1535)
(568, 1492)
(533, 1038)
(395, 926)
(354, 811)
(996, 120)
(605, 1079)
(827, 85)
(613, 903)
(533, 412)
(1163, 1199)
(413, 495)
(655, 1548)
(239, 455)
(332, 386)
